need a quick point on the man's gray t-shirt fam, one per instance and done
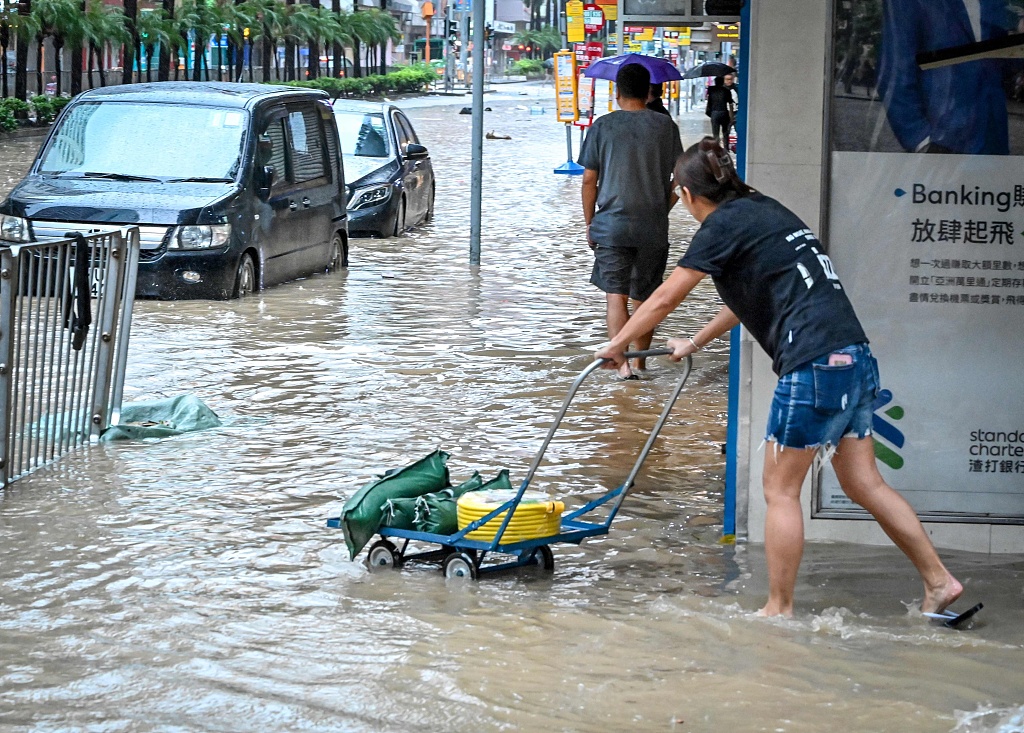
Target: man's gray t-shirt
(634, 154)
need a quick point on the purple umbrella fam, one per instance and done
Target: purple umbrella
(608, 68)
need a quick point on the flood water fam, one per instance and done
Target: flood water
(190, 584)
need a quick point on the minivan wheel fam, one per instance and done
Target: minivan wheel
(339, 253)
(400, 220)
(245, 279)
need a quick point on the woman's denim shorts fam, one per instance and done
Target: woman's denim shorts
(817, 405)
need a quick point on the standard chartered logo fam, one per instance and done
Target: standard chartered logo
(887, 437)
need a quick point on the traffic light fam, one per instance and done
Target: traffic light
(451, 30)
(487, 34)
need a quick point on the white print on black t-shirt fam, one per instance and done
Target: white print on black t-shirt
(823, 260)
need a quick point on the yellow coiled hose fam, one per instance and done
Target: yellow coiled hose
(536, 516)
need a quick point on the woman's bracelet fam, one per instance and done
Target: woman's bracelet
(695, 347)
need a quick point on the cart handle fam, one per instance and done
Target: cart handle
(687, 363)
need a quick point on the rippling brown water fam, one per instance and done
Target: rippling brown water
(190, 584)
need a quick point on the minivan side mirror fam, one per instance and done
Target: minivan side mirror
(415, 151)
(266, 181)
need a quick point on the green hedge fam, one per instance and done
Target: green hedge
(46, 109)
(408, 79)
(527, 67)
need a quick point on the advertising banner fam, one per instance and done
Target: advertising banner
(565, 86)
(926, 231)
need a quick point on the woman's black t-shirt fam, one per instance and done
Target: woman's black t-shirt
(773, 274)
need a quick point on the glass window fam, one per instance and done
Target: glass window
(149, 140)
(307, 145)
(407, 134)
(277, 155)
(363, 135)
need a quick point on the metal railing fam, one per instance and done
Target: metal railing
(65, 317)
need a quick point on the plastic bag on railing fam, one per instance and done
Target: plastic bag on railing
(162, 418)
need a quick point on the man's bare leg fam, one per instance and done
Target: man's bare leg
(617, 313)
(642, 342)
(858, 474)
(784, 472)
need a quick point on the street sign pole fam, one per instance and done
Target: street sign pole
(476, 176)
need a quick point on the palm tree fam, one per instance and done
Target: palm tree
(289, 41)
(24, 30)
(317, 27)
(5, 40)
(103, 24)
(186, 18)
(164, 73)
(60, 19)
(41, 12)
(154, 31)
(131, 42)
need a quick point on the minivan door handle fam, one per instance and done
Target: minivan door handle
(306, 203)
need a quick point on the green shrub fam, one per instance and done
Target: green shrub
(7, 121)
(407, 79)
(15, 106)
(45, 109)
(527, 67)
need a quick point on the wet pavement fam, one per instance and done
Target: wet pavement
(190, 584)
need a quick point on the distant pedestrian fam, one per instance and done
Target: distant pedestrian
(773, 276)
(627, 193)
(654, 99)
(720, 109)
(734, 93)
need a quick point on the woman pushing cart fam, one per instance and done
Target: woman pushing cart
(774, 278)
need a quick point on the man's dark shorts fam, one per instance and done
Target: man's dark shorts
(633, 271)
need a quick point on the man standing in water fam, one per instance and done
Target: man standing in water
(627, 193)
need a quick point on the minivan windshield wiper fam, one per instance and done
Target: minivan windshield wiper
(200, 179)
(120, 177)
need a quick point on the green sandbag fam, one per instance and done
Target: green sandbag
(161, 418)
(362, 515)
(399, 513)
(439, 512)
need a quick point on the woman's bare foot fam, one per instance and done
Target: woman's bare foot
(938, 598)
(625, 372)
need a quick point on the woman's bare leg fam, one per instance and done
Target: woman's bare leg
(784, 472)
(858, 474)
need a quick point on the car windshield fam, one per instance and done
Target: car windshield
(138, 140)
(363, 135)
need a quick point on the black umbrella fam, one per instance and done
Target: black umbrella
(712, 68)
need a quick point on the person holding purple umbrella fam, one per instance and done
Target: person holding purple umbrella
(628, 156)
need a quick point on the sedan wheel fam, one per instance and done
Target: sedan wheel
(400, 220)
(245, 279)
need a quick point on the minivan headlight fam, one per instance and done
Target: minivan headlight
(205, 236)
(14, 229)
(369, 196)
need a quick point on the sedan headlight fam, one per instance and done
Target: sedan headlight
(204, 236)
(14, 229)
(369, 196)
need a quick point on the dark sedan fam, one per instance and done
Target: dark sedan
(390, 177)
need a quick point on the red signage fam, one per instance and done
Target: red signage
(587, 53)
(593, 18)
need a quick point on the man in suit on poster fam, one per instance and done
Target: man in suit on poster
(958, 108)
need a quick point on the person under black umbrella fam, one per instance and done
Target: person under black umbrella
(720, 108)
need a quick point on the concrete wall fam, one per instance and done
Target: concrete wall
(785, 136)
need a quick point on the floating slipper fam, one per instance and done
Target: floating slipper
(952, 619)
(631, 376)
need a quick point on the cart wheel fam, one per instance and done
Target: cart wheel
(459, 565)
(382, 555)
(543, 557)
